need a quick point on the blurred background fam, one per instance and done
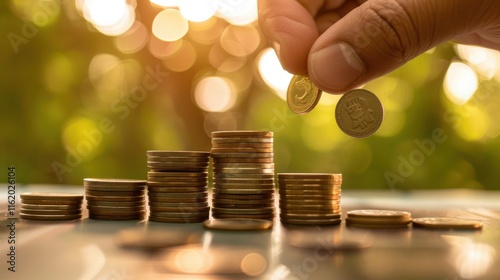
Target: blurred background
(89, 85)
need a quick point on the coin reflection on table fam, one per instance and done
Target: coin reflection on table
(147, 239)
(197, 259)
(336, 240)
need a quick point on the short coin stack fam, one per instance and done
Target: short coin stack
(378, 218)
(310, 198)
(177, 186)
(51, 206)
(115, 199)
(243, 175)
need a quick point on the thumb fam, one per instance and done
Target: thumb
(381, 35)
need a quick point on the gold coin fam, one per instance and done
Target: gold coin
(178, 204)
(162, 153)
(116, 217)
(51, 212)
(222, 176)
(50, 202)
(222, 165)
(243, 160)
(51, 207)
(49, 217)
(194, 195)
(112, 188)
(114, 198)
(311, 222)
(255, 211)
(113, 182)
(181, 215)
(312, 176)
(242, 145)
(177, 183)
(172, 160)
(117, 193)
(309, 211)
(447, 223)
(243, 191)
(152, 174)
(177, 220)
(242, 140)
(326, 193)
(177, 179)
(314, 216)
(52, 196)
(241, 150)
(242, 133)
(359, 113)
(269, 216)
(249, 155)
(351, 223)
(243, 196)
(116, 203)
(257, 204)
(238, 224)
(178, 209)
(380, 215)
(302, 95)
(196, 199)
(182, 189)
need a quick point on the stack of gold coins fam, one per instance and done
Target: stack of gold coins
(310, 198)
(243, 174)
(115, 199)
(378, 218)
(177, 186)
(51, 206)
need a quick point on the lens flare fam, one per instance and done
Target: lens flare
(272, 73)
(169, 25)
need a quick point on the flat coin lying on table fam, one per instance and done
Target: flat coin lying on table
(359, 113)
(447, 223)
(302, 95)
(154, 239)
(238, 224)
(51, 206)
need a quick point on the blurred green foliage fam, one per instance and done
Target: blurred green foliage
(50, 112)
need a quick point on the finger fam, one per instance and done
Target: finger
(291, 30)
(381, 35)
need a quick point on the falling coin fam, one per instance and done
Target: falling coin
(302, 95)
(359, 113)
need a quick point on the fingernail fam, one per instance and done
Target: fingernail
(336, 66)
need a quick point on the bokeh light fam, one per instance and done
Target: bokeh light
(106, 71)
(182, 59)
(166, 3)
(132, 40)
(240, 40)
(197, 10)
(214, 94)
(460, 83)
(238, 12)
(169, 25)
(112, 17)
(486, 61)
(272, 73)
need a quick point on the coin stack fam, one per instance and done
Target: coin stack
(115, 199)
(51, 206)
(310, 198)
(177, 186)
(243, 174)
(378, 218)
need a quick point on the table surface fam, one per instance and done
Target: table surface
(86, 249)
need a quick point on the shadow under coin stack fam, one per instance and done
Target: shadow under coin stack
(177, 186)
(51, 206)
(310, 198)
(243, 175)
(115, 199)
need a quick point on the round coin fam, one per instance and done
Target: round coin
(242, 133)
(113, 182)
(49, 217)
(447, 223)
(302, 95)
(311, 222)
(76, 203)
(115, 217)
(269, 216)
(107, 193)
(114, 198)
(238, 224)
(52, 196)
(51, 212)
(177, 220)
(387, 215)
(359, 113)
(51, 207)
(163, 153)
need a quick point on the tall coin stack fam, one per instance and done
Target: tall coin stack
(177, 186)
(243, 174)
(310, 198)
(51, 206)
(115, 199)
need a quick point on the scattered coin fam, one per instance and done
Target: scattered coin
(238, 224)
(447, 223)
(359, 113)
(302, 95)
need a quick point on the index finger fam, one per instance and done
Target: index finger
(291, 30)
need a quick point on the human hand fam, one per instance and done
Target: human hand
(342, 44)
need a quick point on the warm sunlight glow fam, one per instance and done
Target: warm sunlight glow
(272, 73)
(133, 40)
(239, 12)
(169, 25)
(214, 94)
(111, 17)
(460, 83)
(486, 61)
(197, 10)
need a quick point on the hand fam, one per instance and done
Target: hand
(342, 44)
